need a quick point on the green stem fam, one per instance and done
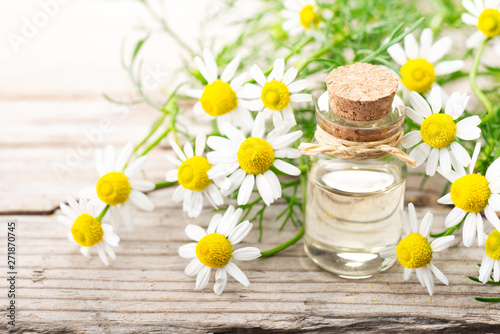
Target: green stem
(482, 97)
(103, 213)
(162, 185)
(392, 40)
(171, 127)
(310, 59)
(287, 244)
(299, 235)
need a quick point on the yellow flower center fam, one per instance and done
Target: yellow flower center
(255, 155)
(309, 17)
(87, 231)
(214, 250)
(493, 245)
(218, 98)
(113, 188)
(489, 22)
(275, 95)
(438, 130)
(470, 193)
(418, 75)
(414, 251)
(192, 173)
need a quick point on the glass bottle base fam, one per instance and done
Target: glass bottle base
(346, 263)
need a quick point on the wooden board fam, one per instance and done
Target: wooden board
(51, 100)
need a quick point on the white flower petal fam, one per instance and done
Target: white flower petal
(278, 70)
(123, 157)
(220, 281)
(188, 251)
(195, 232)
(274, 182)
(448, 67)
(297, 98)
(454, 217)
(485, 269)
(194, 267)
(172, 175)
(480, 229)
(475, 40)
(460, 154)
(141, 200)
(492, 217)
(230, 69)
(202, 278)
(238, 82)
(290, 153)
(246, 254)
(286, 167)
(142, 185)
(469, 230)
(265, 189)
(246, 190)
(414, 116)
(200, 143)
(211, 65)
(135, 167)
(493, 172)
(442, 243)
(432, 162)
(411, 139)
(436, 101)
(236, 272)
(475, 155)
(258, 75)
(444, 159)
(426, 225)
(420, 153)
(240, 232)
(407, 273)
(297, 86)
(426, 39)
(496, 271)
(289, 76)
(471, 8)
(397, 53)
(439, 275)
(109, 158)
(411, 46)
(413, 218)
(388, 252)
(439, 49)
(420, 105)
(446, 199)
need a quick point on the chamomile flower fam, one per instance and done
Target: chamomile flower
(274, 94)
(248, 160)
(222, 97)
(415, 252)
(485, 15)
(215, 249)
(86, 230)
(194, 183)
(471, 194)
(439, 132)
(491, 258)
(300, 16)
(115, 186)
(420, 64)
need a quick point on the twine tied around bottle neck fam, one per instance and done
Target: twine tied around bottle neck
(351, 150)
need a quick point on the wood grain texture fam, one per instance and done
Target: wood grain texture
(51, 101)
(146, 290)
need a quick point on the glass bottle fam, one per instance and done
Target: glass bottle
(353, 207)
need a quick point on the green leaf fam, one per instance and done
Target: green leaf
(138, 47)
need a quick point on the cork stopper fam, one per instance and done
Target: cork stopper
(361, 92)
